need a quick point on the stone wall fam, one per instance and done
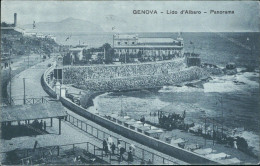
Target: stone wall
(132, 76)
(142, 82)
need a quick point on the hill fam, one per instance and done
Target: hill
(67, 25)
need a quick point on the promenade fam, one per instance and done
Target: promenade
(70, 134)
(19, 64)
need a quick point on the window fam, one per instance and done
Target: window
(125, 42)
(133, 42)
(118, 43)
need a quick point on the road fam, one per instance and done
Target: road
(19, 64)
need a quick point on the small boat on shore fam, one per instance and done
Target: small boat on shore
(230, 69)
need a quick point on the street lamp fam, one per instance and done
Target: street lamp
(221, 102)
(24, 91)
(10, 75)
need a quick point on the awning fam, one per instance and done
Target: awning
(217, 156)
(131, 122)
(155, 131)
(143, 128)
(230, 161)
(177, 141)
(32, 111)
(204, 151)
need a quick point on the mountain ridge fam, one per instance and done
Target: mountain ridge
(66, 25)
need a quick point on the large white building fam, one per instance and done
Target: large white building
(150, 48)
(77, 52)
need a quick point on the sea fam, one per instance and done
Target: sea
(236, 97)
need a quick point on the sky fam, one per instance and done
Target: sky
(120, 13)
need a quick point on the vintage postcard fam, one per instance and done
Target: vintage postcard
(130, 82)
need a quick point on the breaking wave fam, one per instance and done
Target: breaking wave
(170, 89)
(231, 83)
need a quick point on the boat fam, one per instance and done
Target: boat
(230, 69)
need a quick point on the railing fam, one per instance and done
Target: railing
(45, 154)
(6, 82)
(45, 83)
(139, 154)
(16, 101)
(89, 153)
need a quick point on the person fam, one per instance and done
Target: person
(35, 145)
(149, 161)
(142, 119)
(41, 125)
(110, 140)
(36, 124)
(108, 145)
(142, 162)
(122, 151)
(106, 149)
(118, 143)
(132, 148)
(105, 146)
(44, 125)
(113, 147)
(130, 156)
(235, 144)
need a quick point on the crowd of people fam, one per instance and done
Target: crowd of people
(109, 147)
(146, 81)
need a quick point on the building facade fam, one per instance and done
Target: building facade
(76, 53)
(134, 48)
(11, 30)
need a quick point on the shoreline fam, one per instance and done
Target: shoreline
(187, 136)
(92, 95)
(253, 152)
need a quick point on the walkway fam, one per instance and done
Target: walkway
(19, 64)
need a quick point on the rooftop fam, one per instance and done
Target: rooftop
(34, 111)
(149, 46)
(156, 40)
(125, 36)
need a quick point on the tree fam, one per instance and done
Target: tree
(4, 24)
(139, 55)
(87, 54)
(67, 59)
(107, 46)
(109, 53)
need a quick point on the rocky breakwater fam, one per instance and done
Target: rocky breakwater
(190, 74)
(145, 81)
(212, 69)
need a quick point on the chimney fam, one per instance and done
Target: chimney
(15, 19)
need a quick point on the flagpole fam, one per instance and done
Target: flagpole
(104, 54)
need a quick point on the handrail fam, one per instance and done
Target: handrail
(105, 133)
(31, 100)
(27, 152)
